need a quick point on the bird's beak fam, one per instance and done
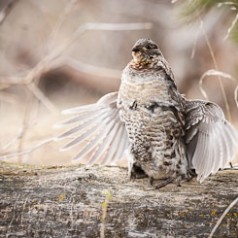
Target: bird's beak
(136, 53)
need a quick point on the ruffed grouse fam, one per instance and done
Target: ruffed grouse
(167, 136)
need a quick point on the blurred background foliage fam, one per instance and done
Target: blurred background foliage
(197, 8)
(57, 54)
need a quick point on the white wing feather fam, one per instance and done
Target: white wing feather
(97, 130)
(211, 140)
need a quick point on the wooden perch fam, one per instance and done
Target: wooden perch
(101, 202)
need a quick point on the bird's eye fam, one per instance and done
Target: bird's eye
(151, 47)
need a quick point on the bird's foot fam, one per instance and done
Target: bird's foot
(162, 182)
(165, 182)
(190, 175)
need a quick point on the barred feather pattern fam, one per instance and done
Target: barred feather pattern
(154, 121)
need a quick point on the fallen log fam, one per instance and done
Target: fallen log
(102, 202)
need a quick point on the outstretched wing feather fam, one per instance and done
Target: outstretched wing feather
(97, 130)
(211, 140)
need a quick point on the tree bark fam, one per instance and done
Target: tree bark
(102, 202)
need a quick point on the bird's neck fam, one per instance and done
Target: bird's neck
(143, 86)
(144, 64)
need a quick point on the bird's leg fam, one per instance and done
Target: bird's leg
(163, 182)
(151, 181)
(134, 169)
(137, 172)
(191, 175)
(178, 181)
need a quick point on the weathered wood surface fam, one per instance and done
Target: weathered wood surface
(101, 202)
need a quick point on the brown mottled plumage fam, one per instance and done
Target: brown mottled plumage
(167, 136)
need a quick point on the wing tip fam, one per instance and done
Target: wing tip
(201, 178)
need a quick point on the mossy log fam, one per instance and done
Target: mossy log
(101, 202)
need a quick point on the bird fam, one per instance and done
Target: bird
(166, 137)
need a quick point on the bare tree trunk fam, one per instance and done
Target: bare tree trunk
(101, 202)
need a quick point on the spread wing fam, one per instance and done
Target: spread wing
(97, 130)
(211, 140)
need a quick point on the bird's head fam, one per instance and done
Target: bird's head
(145, 51)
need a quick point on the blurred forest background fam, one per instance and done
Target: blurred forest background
(56, 54)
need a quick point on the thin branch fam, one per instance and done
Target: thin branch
(117, 26)
(25, 126)
(89, 69)
(6, 10)
(7, 97)
(60, 22)
(42, 98)
(15, 79)
(28, 151)
(29, 79)
(13, 140)
(222, 217)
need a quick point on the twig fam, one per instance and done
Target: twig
(7, 97)
(117, 26)
(13, 140)
(28, 151)
(32, 87)
(89, 69)
(60, 22)
(222, 217)
(108, 27)
(25, 126)
(13, 80)
(6, 10)
(41, 97)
